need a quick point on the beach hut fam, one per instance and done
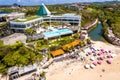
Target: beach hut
(87, 66)
(92, 66)
(109, 61)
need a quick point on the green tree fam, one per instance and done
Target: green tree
(29, 31)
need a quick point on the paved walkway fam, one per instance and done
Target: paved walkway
(90, 24)
(13, 38)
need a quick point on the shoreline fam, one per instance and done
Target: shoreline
(63, 71)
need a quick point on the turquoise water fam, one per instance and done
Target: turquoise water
(57, 33)
(96, 34)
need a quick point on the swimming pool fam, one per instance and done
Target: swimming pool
(57, 33)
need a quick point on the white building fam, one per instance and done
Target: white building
(12, 16)
(44, 15)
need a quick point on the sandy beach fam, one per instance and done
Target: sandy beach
(74, 70)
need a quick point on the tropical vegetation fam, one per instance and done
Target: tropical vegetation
(16, 55)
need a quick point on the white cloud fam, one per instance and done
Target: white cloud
(19, 0)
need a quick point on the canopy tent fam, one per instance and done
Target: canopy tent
(57, 52)
(43, 11)
(72, 44)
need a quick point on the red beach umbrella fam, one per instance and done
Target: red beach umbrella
(110, 51)
(95, 63)
(101, 58)
(99, 62)
(109, 61)
(89, 53)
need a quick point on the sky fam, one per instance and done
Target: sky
(38, 2)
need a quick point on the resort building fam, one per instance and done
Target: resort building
(44, 15)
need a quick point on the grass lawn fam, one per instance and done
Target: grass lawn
(27, 19)
(40, 44)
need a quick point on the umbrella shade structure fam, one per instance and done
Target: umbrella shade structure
(94, 54)
(93, 51)
(95, 63)
(92, 66)
(99, 54)
(87, 66)
(101, 58)
(110, 51)
(89, 53)
(108, 55)
(99, 62)
(98, 49)
(102, 49)
(106, 51)
(109, 61)
(113, 55)
(92, 58)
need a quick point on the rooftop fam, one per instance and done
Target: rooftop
(27, 19)
(57, 52)
(43, 11)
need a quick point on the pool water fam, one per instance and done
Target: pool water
(57, 33)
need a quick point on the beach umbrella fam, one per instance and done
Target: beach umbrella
(99, 62)
(101, 58)
(93, 51)
(108, 56)
(92, 58)
(94, 54)
(113, 55)
(99, 54)
(109, 61)
(92, 66)
(102, 49)
(98, 49)
(87, 66)
(110, 51)
(106, 51)
(95, 63)
(89, 53)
